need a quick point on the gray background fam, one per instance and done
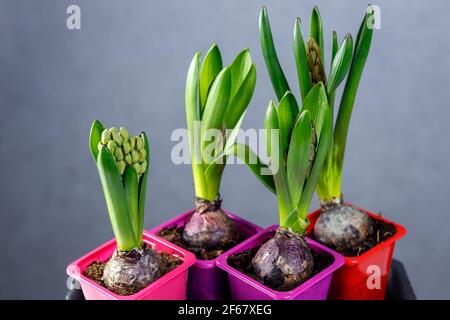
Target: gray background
(127, 66)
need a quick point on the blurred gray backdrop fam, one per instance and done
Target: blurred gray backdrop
(127, 66)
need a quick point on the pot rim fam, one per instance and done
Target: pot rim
(77, 267)
(400, 233)
(222, 263)
(181, 219)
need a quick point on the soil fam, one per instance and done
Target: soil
(381, 232)
(95, 270)
(242, 262)
(173, 234)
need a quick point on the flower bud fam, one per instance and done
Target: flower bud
(117, 138)
(132, 142)
(126, 148)
(137, 167)
(143, 166)
(118, 154)
(128, 159)
(142, 155)
(113, 130)
(99, 146)
(121, 166)
(124, 133)
(106, 136)
(112, 146)
(135, 156)
(139, 143)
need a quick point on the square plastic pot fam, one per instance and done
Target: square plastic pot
(244, 287)
(171, 286)
(364, 277)
(205, 280)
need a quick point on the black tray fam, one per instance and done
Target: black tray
(399, 287)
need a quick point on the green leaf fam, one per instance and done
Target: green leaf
(193, 117)
(304, 77)
(254, 163)
(216, 104)
(240, 100)
(116, 200)
(131, 187)
(341, 63)
(276, 74)
(240, 68)
(334, 45)
(95, 137)
(211, 66)
(287, 113)
(321, 154)
(270, 123)
(143, 189)
(316, 31)
(298, 156)
(314, 102)
(361, 51)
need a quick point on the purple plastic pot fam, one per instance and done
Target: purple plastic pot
(243, 287)
(205, 280)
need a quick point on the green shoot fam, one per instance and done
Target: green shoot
(295, 162)
(122, 163)
(216, 100)
(347, 62)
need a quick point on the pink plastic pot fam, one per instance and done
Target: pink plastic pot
(244, 287)
(171, 286)
(205, 280)
(357, 279)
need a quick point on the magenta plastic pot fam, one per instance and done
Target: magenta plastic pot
(205, 280)
(171, 286)
(243, 287)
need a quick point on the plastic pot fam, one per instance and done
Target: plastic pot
(171, 286)
(244, 287)
(205, 280)
(364, 277)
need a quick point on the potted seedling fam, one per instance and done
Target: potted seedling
(366, 239)
(280, 262)
(135, 265)
(216, 100)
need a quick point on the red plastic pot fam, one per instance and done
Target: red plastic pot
(244, 287)
(363, 277)
(171, 286)
(205, 280)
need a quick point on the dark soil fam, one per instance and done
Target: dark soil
(381, 232)
(243, 262)
(95, 270)
(173, 234)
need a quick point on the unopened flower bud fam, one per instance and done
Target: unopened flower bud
(142, 155)
(135, 156)
(106, 136)
(128, 159)
(139, 143)
(143, 166)
(121, 166)
(126, 148)
(112, 146)
(113, 130)
(132, 142)
(99, 146)
(117, 138)
(137, 167)
(124, 133)
(118, 154)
